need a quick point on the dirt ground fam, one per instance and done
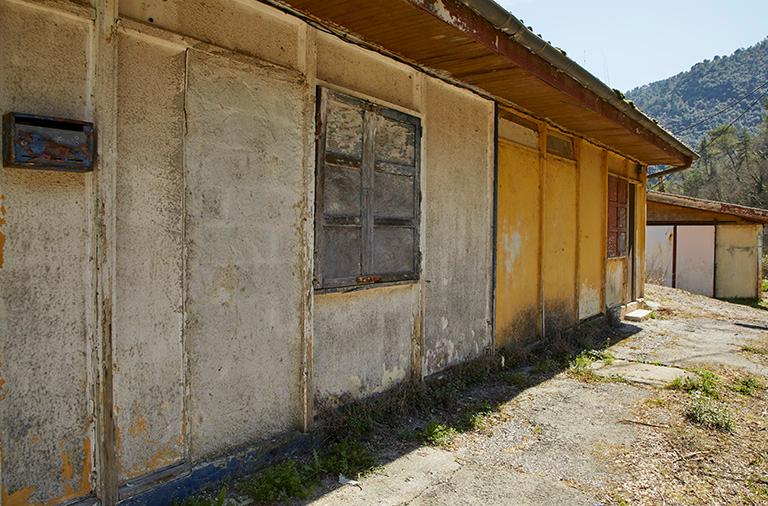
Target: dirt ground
(561, 437)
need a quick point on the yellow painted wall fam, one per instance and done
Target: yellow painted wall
(517, 266)
(737, 261)
(559, 255)
(591, 204)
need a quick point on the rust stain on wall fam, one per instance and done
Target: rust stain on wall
(18, 498)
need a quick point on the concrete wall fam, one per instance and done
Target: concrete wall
(46, 439)
(551, 266)
(457, 202)
(737, 257)
(560, 244)
(518, 306)
(217, 339)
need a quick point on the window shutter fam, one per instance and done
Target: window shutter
(367, 193)
(395, 196)
(339, 200)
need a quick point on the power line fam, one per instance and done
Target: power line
(737, 118)
(724, 109)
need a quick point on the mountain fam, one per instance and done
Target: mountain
(688, 104)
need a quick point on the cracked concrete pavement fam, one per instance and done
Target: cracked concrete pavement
(555, 440)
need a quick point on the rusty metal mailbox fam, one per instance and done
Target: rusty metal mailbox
(40, 142)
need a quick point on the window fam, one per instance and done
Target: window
(560, 146)
(618, 189)
(367, 193)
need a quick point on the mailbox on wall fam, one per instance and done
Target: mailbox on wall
(40, 142)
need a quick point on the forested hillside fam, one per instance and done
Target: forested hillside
(711, 94)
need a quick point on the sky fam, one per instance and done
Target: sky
(628, 44)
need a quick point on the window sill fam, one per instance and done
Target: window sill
(358, 288)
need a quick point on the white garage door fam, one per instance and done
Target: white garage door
(695, 263)
(659, 251)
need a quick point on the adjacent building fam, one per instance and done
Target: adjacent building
(220, 217)
(705, 247)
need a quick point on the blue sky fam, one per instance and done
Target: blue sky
(628, 44)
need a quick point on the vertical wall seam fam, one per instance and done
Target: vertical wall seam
(542, 212)
(577, 276)
(187, 393)
(494, 226)
(105, 102)
(604, 231)
(308, 52)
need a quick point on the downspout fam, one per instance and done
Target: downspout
(502, 20)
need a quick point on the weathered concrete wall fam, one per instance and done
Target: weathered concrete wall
(249, 28)
(559, 254)
(370, 74)
(45, 422)
(148, 313)
(245, 184)
(518, 245)
(737, 256)
(457, 201)
(591, 229)
(363, 341)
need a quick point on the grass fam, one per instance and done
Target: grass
(438, 434)
(292, 479)
(764, 285)
(581, 366)
(710, 414)
(704, 382)
(749, 385)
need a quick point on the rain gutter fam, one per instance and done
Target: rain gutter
(505, 22)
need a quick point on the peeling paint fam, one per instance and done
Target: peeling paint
(512, 244)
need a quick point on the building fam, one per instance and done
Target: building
(705, 247)
(289, 204)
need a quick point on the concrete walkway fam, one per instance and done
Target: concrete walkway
(566, 441)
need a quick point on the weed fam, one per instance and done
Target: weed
(281, 482)
(764, 285)
(516, 378)
(581, 366)
(545, 365)
(200, 500)
(437, 434)
(705, 382)
(350, 458)
(710, 414)
(748, 385)
(476, 418)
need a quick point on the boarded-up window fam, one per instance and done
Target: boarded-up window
(560, 146)
(618, 190)
(367, 193)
